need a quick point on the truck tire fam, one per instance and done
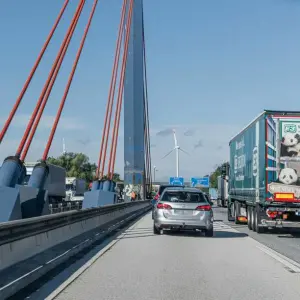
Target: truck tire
(257, 222)
(237, 210)
(253, 218)
(230, 217)
(249, 217)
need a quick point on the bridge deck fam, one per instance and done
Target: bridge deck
(184, 266)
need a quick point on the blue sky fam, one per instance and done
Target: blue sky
(212, 67)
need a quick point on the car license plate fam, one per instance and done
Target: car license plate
(179, 211)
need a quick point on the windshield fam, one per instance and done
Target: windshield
(183, 196)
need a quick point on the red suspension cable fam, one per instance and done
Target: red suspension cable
(45, 155)
(32, 72)
(111, 96)
(120, 95)
(146, 109)
(50, 86)
(33, 116)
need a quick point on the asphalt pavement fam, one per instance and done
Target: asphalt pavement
(282, 241)
(235, 264)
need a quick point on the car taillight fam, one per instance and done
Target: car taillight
(163, 206)
(204, 207)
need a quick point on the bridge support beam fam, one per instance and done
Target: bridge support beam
(134, 164)
(12, 173)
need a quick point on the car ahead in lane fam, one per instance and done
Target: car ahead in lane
(159, 192)
(183, 209)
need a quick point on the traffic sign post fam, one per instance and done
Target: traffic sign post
(176, 180)
(202, 181)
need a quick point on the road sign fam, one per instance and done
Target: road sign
(202, 181)
(176, 181)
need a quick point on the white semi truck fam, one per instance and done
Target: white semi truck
(222, 199)
(75, 189)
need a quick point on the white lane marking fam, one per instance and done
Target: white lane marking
(59, 256)
(287, 262)
(81, 270)
(18, 279)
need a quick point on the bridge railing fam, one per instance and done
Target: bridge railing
(64, 206)
(32, 247)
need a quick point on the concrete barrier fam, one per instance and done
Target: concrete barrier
(30, 248)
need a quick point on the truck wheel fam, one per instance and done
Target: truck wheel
(249, 217)
(259, 229)
(237, 210)
(230, 217)
(253, 219)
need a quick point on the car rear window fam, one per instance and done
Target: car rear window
(163, 187)
(183, 196)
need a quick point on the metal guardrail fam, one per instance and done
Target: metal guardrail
(32, 247)
(65, 206)
(19, 229)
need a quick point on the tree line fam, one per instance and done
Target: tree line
(213, 178)
(78, 165)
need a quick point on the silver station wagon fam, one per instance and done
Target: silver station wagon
(183, 209)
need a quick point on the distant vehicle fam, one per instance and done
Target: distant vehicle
(222, 199)
(183, 208)
(75, 189)
(213, 193)
(264, 172)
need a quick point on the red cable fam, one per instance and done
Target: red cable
(106, 129)
(45, 155)
(146, 104)
(120, 96)
(32, 72)
(113, 85)
(48, 92)
(33, 116)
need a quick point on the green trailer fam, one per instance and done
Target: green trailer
(264, 185)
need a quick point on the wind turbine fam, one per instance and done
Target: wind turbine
(176, 148)
(64, 147)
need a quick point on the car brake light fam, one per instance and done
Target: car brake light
(204, 207)
(163, 206)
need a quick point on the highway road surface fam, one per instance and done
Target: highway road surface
(230, 266)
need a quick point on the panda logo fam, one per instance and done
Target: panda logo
(288, 176)
(291, 141)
